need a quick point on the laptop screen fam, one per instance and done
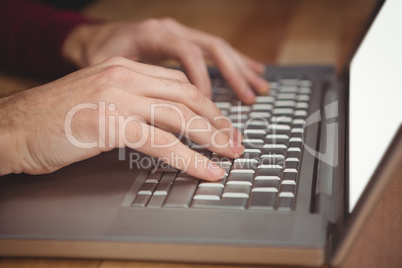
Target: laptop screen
(375, 96)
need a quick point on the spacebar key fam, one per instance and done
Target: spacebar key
(231, 203)
(181, 193)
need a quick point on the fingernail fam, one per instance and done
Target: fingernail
(236, 147)
(263, 85)
(215, 172)
(249, 95)
(237, 136)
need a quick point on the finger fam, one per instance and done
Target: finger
(171, 90)
(260, 85)
(192, 59)
(158, 143)
(256, 66)
(232, 74)
(178, 118)
(219, 52)
(146, 69)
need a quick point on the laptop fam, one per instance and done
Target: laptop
(320, 152)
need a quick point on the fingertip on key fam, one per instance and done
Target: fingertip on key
(215, 172)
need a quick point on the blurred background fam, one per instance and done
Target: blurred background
(271, 31)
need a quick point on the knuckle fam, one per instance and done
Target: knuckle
(116, 60)
(180, 75)
(151, 23)
(219, 42)
(164, 139)
(168, 20)
(192, 93)
(113, 73)
(184, 110)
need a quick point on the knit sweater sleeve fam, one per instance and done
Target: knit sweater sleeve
(32, 36)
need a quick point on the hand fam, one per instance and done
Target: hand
(154, 40)
(53, 125)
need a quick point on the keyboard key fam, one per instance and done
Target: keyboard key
(285, 203)
(238, 117)
(264, 99)
(289, 82)
(274, 85)
(239, 109)
(303, 98)
(288, 89)
(224, 203)
(263, 200)
(266, 186)
(181, 193)
(305, 90)
(288, 188)
(297, 132)
(285, 104)
(264, 115)
(225, 165)
(279, 129)
(251, 154)
(156, 201)
(255, 134)
(305, 83)
(153, 177)
(283, 111)
(223, 105)
(274, 150)
(302, 105)
(256, 124)
(245, 163)
(162, 188)
(208, 193)
(281, 120)
(236, 191)
(298, 123)
(300, 114)
(272, 159)
(166, 169)
(286, 194)
(286, 96)
(295, 142)
(269, 172)
(240, 178)
(219, 183)
(290, 176)
(141, 200)
(262, 107)
(253, 143)
(147, 189)
(168, 177)
(294, 153)
(277, 139)
(292, 163)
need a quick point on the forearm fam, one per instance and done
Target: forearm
(9, 135)
(33, 36)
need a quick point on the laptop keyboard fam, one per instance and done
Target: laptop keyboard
(265, 176)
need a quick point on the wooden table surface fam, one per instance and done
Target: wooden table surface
(275, 32)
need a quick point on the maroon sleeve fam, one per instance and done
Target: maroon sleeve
(32, 36)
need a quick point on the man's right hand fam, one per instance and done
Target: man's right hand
(113, 104)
